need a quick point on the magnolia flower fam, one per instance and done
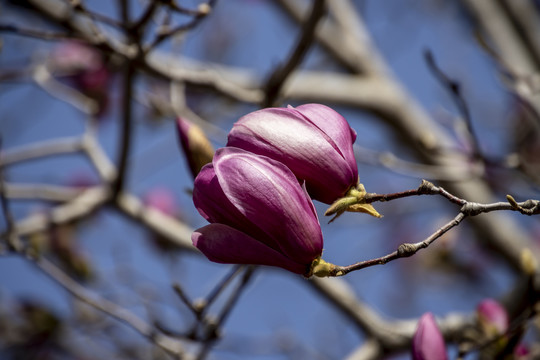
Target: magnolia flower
(196, 147)
(258, 211)
(493, 317)
(428, 343)
(312, 140)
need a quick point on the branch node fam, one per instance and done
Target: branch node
(512, 202)
(406, 250)
(426, 187)
(472, 209)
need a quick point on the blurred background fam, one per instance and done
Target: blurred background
(66, 70)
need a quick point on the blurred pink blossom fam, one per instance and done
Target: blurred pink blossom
(492, 316)
(428, 342)
(161, 199)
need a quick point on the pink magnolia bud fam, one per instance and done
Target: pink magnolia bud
(196, 147)
(161, 199)
(73, 57)
(493, 317)
(312, 140)
(428, 342)
(258, 211)
(85, 67)
(521, 352)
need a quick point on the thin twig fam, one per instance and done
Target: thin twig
(197, 18)
(404, 250)
(168, 344)
(458, 172)
(125, 135)
(455, 90)
(185, 299)
(78, 6)
(179, 9)
(223, 284)
(124, 13)
(140, 24)
(10, 221)
(281, 73)
(212, 330)
(38, 34)
(528, 207)
(199, 308)
(426, 188)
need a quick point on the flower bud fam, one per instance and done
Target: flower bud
(493, 317)
(521, 352)
(86, 69)
(258, 211)
(196, 147)
(428, 342)
(312, 140)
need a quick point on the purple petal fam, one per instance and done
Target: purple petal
(335, 126)
(428, 343)
(223, 244)
(268, 194)
(213, 205)
(286, 136)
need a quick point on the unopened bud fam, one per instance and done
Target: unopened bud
(195, 145)
(428, 342)
(493, 317)
(204, 9)
(528, 262)
(321, 268)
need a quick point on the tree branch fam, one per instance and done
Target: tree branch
(529, 207)
(168, 344)
(279, 76)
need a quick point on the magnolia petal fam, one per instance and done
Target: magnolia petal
(223, 244)
(288, 137)
(268, 194)
(335, 126)
(215, 207)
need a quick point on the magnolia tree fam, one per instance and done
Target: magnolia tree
(127, 235)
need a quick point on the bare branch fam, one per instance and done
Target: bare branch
(38, 34)
(173, 230)
(41, 192)
(124, 142)
(83, 205)
(172, 346)
(404, 250)
(455, 91)
(197, 18)
(391, 334)
(34, 151)
(529, 207)
(279, 76)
